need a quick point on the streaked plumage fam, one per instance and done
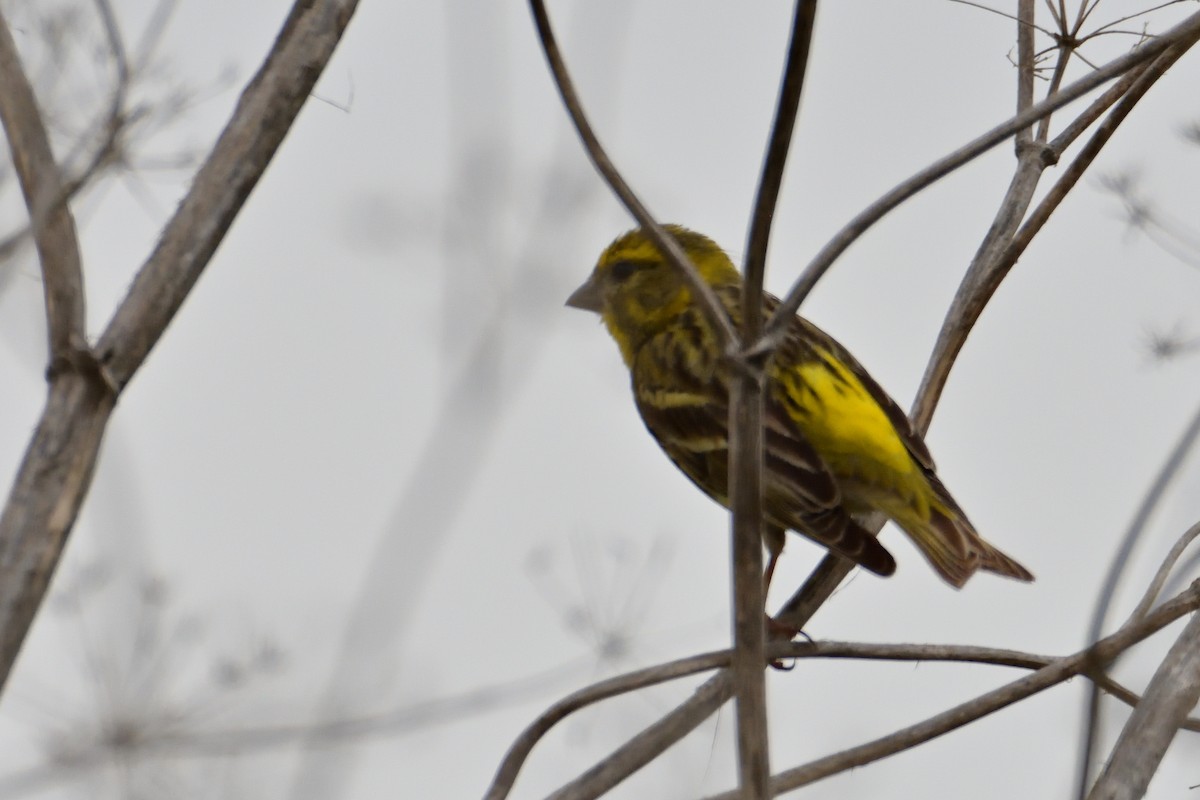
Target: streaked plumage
(835, 443)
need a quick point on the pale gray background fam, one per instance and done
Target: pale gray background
(437, 209)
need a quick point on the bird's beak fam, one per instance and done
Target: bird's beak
(588, 297)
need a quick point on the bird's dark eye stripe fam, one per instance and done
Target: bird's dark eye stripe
(621, 270)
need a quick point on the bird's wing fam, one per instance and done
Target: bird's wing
(682, 393)
(683, 398)
(801, 330)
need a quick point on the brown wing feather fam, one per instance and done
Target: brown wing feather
(686, 410)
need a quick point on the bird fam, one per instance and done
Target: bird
(836, 446)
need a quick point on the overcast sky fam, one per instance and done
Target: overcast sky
(374, 462)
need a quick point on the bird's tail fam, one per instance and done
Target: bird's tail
(952, 545)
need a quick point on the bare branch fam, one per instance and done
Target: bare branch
(593, 783)
(647, 745)
(1051, 675)
(1002, 248)
(821, 584)
(56, 470)
(1173, 691)
(1164, 571)
(1026, 66)
(1076, 127)
(506, 775)
(1186, 31)
(746, 434)
(262, 118)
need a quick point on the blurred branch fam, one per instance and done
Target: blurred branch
(477, 393)
(169, 740)
(101, 158)
(116, 46)
(51, 222)
(1116, 570)
(55, 473)
(1172, 692)
(723, 329)
(117, 120)
(1165, 346)
(1172, 236)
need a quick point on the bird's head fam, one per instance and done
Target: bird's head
(637, 292)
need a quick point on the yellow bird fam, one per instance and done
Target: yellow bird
(835, 443)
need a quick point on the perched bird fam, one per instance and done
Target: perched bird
(835, 444)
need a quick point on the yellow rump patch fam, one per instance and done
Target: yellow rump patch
(852, 434)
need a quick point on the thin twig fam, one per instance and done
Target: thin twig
(116, 46)
(824, 259)
(518, 752)
(1004, 14)
(989, 268)
(723, 329)
(1164, 572)
(1128, 17)
(973, 293)
(115, 122)
(1065, 46)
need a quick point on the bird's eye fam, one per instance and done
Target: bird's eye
(623, 269)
